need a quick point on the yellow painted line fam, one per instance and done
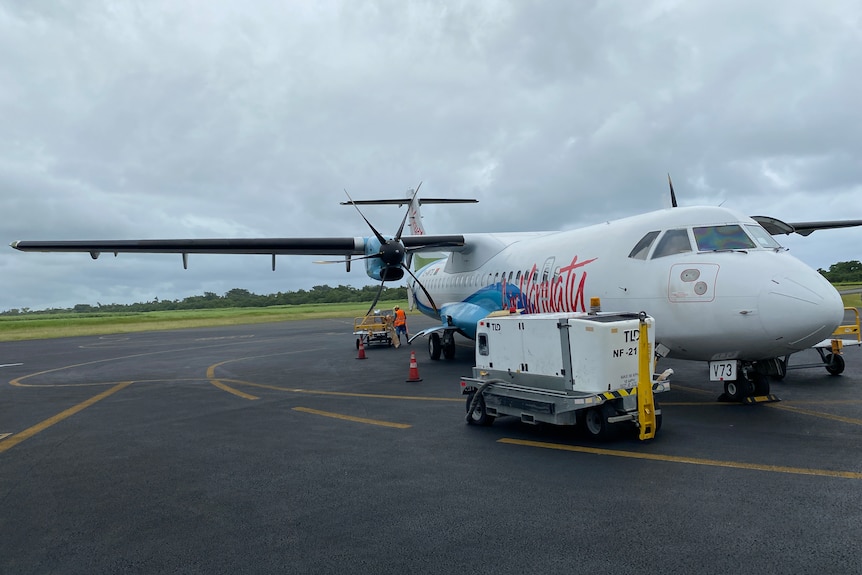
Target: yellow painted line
(715, 392)
(688, 460)
(11, 442)
(352, 418)
(223, 386)
(343, 393)
(820, 414)
(17, 382)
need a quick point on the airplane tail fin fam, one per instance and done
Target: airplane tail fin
(414, 216)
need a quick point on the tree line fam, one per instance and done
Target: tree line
(238, 297)
(841, 272)
(844, 272)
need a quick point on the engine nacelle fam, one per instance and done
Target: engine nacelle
(376, 267)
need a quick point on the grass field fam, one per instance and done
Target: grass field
(43, 326)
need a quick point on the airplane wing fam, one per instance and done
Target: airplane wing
(775, 226)
(269, 246)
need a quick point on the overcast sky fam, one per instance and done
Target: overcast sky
(172, 119)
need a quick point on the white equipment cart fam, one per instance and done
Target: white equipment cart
(593, 369)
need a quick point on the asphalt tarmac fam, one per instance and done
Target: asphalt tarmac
(271, 448)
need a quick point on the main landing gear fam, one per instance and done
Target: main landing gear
(444, 345)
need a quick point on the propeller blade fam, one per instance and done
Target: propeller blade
(672, 195)
(407, 213)
(377, 234)
(376, 298)
(425, 291)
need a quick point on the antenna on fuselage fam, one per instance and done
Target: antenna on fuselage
(672, 195)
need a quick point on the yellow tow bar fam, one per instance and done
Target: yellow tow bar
(646, 403)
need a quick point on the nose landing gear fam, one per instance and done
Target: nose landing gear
(753, 384)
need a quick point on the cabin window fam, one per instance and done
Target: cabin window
(672, 242)
(719, 238)
(641, 249)
(762, 237)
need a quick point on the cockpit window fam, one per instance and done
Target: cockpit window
(718, 238)
(762, 237)
(672, 242)
(639, 252)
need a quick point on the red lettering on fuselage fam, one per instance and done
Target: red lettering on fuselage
(562, 292)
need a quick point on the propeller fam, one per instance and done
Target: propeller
(392, 254)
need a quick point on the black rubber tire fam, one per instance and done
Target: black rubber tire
(760, 383)
(594, 421)
(738, 389)
(434, 346)
(834, 364)
(449, 349)
(479, 415)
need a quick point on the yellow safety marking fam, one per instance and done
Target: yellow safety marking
(352, 418)
(223, 386)
(17, 381)
(688, 460)
(841, 418)
(693, 389)
(344, 393)
(11, 442)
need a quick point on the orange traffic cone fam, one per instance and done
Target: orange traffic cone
(361, 349)
(414, 369)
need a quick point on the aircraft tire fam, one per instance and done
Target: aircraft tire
(434, 347)
(737, 390)
(834, 364)
(479, 416)
(761, 384)
(449, 350)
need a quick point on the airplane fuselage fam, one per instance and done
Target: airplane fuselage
(732, 293)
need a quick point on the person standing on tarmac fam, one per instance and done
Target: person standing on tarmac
(401, 324)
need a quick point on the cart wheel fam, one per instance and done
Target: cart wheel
(595, 421)
(479, 416)
(834, 364)
(357, 343)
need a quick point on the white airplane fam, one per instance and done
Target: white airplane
(721, 288)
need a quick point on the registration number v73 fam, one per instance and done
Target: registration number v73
(722, 370)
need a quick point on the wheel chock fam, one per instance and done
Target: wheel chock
(752, 399)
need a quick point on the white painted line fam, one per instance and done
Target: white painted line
(4, 436)
(10, 364)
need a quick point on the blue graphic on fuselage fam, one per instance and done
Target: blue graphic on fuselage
(464, 315)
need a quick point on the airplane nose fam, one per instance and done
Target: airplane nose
(801, 309)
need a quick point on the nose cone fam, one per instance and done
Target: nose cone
(799, 308)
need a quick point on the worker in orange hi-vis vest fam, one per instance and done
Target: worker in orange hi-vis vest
(401, 324)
